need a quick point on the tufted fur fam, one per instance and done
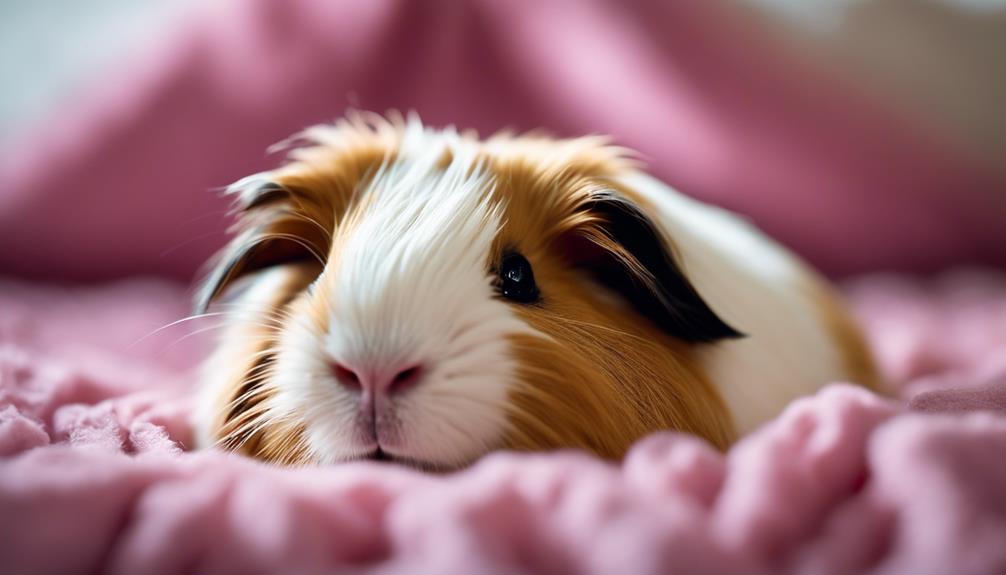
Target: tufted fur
(379, 241)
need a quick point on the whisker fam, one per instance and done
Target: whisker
(174, 323)
(599, 327)
(188, 335)
(188, 241)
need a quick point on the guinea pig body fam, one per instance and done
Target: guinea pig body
(401, 293)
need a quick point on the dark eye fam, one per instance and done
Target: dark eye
(517, 279)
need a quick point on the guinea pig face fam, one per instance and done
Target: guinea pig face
(441, 297)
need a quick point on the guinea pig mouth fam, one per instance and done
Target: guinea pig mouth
(380, 455)
(428, 466)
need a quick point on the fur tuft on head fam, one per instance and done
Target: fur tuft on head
(423, 296)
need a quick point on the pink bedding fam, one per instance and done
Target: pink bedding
(96, 478)
(94, 472)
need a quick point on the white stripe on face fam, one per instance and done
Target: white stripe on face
(409, 285)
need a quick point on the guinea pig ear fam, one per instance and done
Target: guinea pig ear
(256, 191)
(273, 230)
(637, 263)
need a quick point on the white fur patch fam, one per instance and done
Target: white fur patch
(409, 285)
(757, 287)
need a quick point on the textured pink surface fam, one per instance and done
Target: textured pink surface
(94, 476)
(119, 176)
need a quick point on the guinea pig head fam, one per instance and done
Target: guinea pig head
(426, 297)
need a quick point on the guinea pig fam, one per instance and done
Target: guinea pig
(400, 293)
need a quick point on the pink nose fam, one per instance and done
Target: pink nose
(381, 380)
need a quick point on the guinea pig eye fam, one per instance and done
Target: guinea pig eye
(517, 279)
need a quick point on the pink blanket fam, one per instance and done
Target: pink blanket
(95, 476)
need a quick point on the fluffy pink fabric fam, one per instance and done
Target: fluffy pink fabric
(95, 477)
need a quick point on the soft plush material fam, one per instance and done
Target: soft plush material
(95, 396)
(96, 476)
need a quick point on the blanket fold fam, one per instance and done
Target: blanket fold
(95, 475)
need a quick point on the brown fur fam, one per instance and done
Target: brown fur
(249, 364)
(605, 376)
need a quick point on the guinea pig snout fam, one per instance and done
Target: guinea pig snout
(386, 379)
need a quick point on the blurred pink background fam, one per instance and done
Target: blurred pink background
(798, 115)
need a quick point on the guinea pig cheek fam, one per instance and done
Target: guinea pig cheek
(303, 392)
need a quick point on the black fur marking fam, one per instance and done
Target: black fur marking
(252, 251)
(670, 301)
(253, 380)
